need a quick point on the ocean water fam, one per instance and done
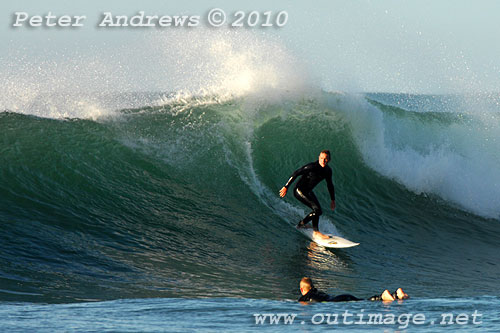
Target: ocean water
(133, 211)
(250, 315)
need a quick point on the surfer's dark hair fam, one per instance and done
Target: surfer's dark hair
(326, 151)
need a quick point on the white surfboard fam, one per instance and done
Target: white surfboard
(333, 241)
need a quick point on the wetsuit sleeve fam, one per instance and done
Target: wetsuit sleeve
(329, 184)
(297, 173)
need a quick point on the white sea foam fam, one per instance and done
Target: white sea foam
(230, 64)
(456, 160)
(87, 82)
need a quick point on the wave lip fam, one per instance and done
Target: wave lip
(87, 83)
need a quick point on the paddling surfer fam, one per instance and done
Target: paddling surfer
(310, 175)
(311, 294)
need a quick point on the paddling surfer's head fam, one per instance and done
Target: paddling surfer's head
(305, 285)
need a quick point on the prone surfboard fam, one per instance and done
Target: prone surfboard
(333, 242)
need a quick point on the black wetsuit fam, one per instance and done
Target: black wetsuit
(314, 295)
(311, 174)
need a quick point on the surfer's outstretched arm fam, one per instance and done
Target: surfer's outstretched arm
(294, 176)
(299, 172)
(284, 189)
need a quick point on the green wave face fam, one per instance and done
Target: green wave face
(181, 199)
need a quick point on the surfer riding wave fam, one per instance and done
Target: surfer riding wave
(310, 175)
